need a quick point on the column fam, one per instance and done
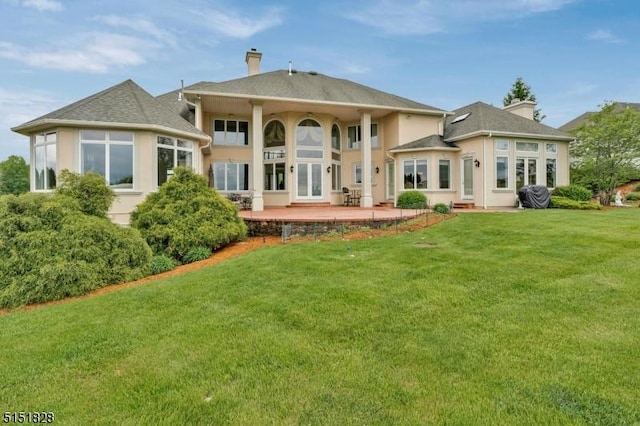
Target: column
(257, 168)
(365, 124)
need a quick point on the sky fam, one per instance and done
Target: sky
(575, 54)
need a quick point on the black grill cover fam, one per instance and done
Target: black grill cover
(534, 197)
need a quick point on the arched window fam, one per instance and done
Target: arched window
(336, 157)
(309, 139)
(274, 156)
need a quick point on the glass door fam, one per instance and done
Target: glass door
(391, 181)
(309, 181)
(526, 172)
(467, 178)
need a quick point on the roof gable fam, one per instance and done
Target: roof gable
(484, 118)
(125, 104)
(308, 86)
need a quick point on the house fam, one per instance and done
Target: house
(289, 137)
(583, 119)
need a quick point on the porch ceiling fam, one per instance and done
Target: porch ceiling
(242, 107)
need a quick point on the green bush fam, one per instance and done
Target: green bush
(197, 253)
(50, 250)
(573, 192)
(632, 196)
(637, 188)
(412, 200)
(162, 263)
(184, 214)
(567, 203)
(441, 208)
(90, 190)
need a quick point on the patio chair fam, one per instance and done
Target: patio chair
(346, 193)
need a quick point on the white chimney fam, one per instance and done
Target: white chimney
(253, 61)
(522, 108)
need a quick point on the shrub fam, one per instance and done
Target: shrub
(633, 197)
(184, 214)
(412, 200)
(441, 208)
(573, 192)
(197, 253)
(162, 263)
(90, 190)
(567, 203)
(51, 250)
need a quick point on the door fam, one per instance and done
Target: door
(467, 178)
(526, 172)
(309, 181)
(391, 181)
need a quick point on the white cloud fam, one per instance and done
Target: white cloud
(141, 25)
(604, 35)
(235, 25)
(43, 5)
(98, 53)
(422, 17)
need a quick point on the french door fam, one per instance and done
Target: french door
(309, 181)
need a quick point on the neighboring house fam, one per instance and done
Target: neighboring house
(289, 137)
(584, 118)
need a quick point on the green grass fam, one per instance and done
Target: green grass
(502, 318)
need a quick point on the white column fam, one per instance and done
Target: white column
(365, 124)
(257, 168)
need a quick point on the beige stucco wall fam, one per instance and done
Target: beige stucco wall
(412, 127)
(433, 157)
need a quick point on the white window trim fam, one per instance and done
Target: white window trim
(415, 173)
(107, 156)
(175, 148)
(358, 143)
(357, 165)
(33, 155)
(226, 187)
(237, 120)
(450, 174)
(274, 162)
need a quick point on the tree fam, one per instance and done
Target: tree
(606, 151)
(521, 91)
(14, 176)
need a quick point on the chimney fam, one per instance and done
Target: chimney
(522, 108)
(253, 61)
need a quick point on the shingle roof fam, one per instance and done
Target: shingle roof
(487, 118)
(433, 141)
(308, 86)
(123, 104)
(584, 118)
(172, 101)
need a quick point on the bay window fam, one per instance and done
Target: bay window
(444, 174)
(109, 154)
(44, 165)
(172, 153)
(415, 174)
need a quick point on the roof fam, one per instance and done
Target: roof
(433, 142)
(309, 87)
(486, 119)
(173, 101)
(584, 118)
(123, 105)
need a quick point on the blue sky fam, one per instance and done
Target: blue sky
(575, 54)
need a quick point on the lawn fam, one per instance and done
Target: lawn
(502, 318)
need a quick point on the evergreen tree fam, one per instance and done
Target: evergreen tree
(521, 91)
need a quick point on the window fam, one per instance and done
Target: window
(274, 176)
(444, 174)
(354, 136)
(110, 154)
(502, 145)
(551, 172)
(357, 173)
(44, 166)
(274, 134)
(172, 153)
(336, 177)
(415, 174)
(527, 146)
(502, 172)
(230, 132)
(335, 138)
(231, 176)
(551, 148)
(309, 140)
(526, 172)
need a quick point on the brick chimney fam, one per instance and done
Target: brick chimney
(253, 61)
(522, 108)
